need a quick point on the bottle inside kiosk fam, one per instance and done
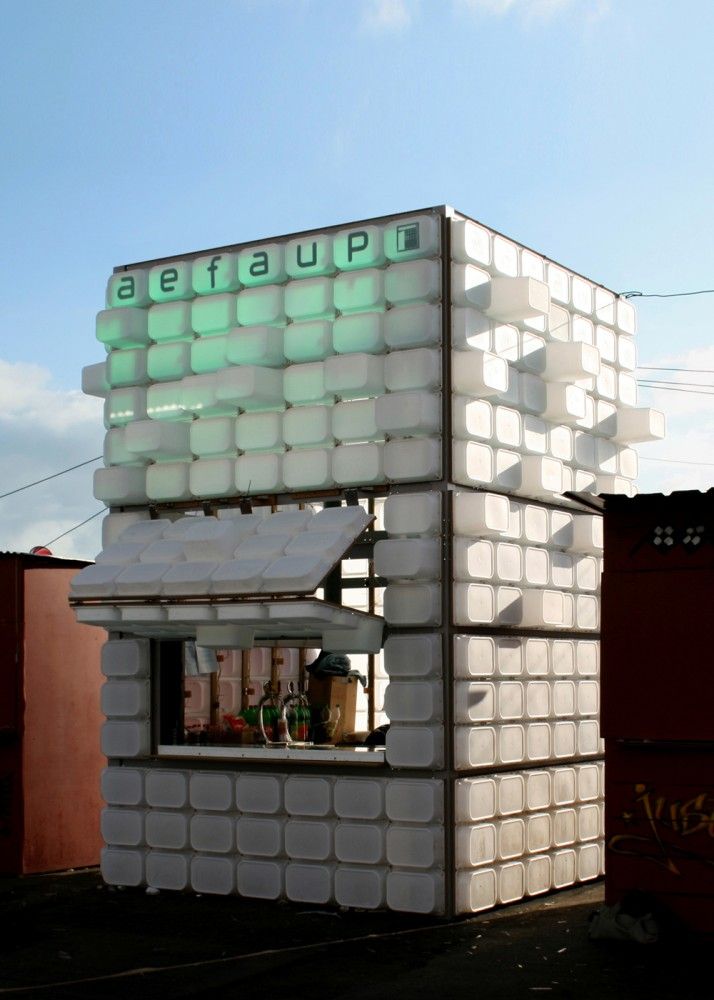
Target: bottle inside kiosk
(340, 470)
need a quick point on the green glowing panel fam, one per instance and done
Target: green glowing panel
(199, 396)
(128, 288)
(360, 291)
(163, 402)
(363, 332)
(214, 314)
(212, 436)
(208, 354)
(124, 405)
(215, 273)
(170, 321)
(263, 265)
(309, 256)
(306, 384)
(171, 281)
(122, 327)
(256, 345)
(308, 341)
(261, 306)
(127, 367)
(362, 247)
(311, 299)
(407, 239)
(169, 362)
(250, 387)
(260, 432)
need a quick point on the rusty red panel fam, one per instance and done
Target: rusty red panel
(61, 756)
(11, 805)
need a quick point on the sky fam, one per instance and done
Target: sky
(581, 128)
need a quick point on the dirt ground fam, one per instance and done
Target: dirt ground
(69, 936)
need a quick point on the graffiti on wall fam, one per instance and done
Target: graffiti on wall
(665, 830)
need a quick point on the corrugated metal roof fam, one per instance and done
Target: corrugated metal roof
(30, 561)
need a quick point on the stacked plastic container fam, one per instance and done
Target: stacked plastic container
(361, 357)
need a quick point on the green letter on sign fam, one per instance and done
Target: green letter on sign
(356, 242)
(126, 289)
(259, 265)
(168, 279)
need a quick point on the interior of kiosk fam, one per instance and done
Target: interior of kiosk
(269, 674)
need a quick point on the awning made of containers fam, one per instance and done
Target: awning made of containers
(230, 582)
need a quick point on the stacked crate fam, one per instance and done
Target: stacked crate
(471, 383)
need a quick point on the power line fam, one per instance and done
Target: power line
(670, 388)
(683, 385)
(665, 295)
(46, 478)
(70, 530)
(692, 371)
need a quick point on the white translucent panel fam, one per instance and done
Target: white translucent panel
(606, 343)
(535, 524)
(306, 384)
(510, 700)
(505, 256)
(307, 425)
(362, 843)
(536, 657)
(308, 796)
(480, 513)
(415, 746)
(158, 440)
(587, 573)
(163, 402)
(415, 847)
(171, 280)
(473, 560)
(470, 243)
(412, 514)
(565, 403)
(412, 655)
(468, 285)
(213, 477)
(254, 345)
(359, 798)
(478, 373)
(582, 294)
(588, 777)
(309, 299)
(584, 482)
(260, 879)
(125, 739)
(412, 282)
(311, 341)
(168, 481)
(307, 469)
(258, 431)
(408, 558)
(561, 443)
(94, 380)
(262, 265)
(412, 326)
(214, 834)
(122, 827)
(358, 464)
(536, 567)
(508, 426)
(122, 786)
(213, 314)
(237, 576)
(626, 389)
(125, 698)
(586, 451)
(505, 341)
(358, 247)
(210, 436)
(208, 354)
(126, 367)
(412, 603)
(511, 744)
(199, 395)
(167, 789)
(542, 608)
(419, 368)
(141, 579)
(505, 299)
(474, 702)
(626, 353)
(408, 413)
(262, 306)
(261, 547)
(613, 484)
(531, 353)
(354, 420)
(115, 450)
(511, 839)
(538, 700)
(214, 875)
(558, 282)
(636, 425)
(562, 574)
(627, 463)
(626, 317)
(570, 362)
(170, 361)
(587, 422)
(295, 573)
(470, 329)
(606, 384)
(588, 698)
(473, 463)
(309, 883)
(124, 327)
(353, 376)
(587, 612)
(359, 291)
(249, 387)
(188, 578)
(259, 793)
(121, 406)
(474, 604)
(412, 459)
(414, 801)
(119, 485)
(125, 657)
(211, 791)
(409, 238)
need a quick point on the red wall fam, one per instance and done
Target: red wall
(61, 757)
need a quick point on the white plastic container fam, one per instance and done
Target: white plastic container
(478, 373)
(259, 793)
(412, 459)
(211, 791)
(415, 846)
(414, 801)
(412, 604)
(213, 834)
(404, 414)
(415, 746)
(413, 656)
(415, 892)
(308, 796)
(122, 867)
(261, 879)
(167, 789)
(168, 830)
(123, 827)
(309, 883)
(125, 739)
(262, 837)
(213, 875)
(311, 840)
(408, 558)
(360, 843)
(362, 888)
(125, 658)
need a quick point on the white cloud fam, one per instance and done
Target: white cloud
(535, 10)
(44, 429)
(690, 425)
(387, 15)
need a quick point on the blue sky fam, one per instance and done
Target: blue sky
(582, 128)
